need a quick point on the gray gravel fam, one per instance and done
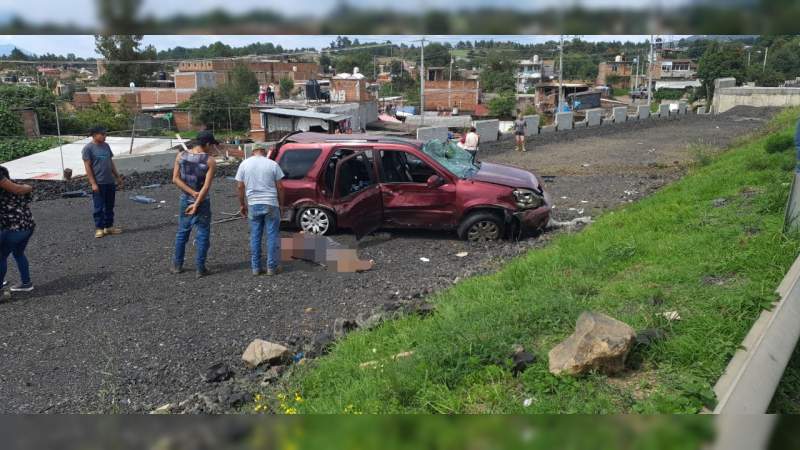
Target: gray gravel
(108, 329)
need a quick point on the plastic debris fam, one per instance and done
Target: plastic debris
(162, 202)
(584, 201)
(152, 186)
(424, 259)
(462, 254)
(527, 402)
(671, 315)
(298, 356)
(142, 199)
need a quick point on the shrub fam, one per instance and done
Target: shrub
(13, 148)
(777, 143)
(10, 123)
(286, 86)
(503, 105)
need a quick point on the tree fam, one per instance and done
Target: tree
(211, 107)
(436, 55)
(42, 100)
(719, 61)
(17, 55)
(123, 48)
(10, 123)
(243, 81)
(499, 73)
(286, 86)
(503, 105)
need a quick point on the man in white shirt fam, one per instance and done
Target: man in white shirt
(259, 197)
(471, 141)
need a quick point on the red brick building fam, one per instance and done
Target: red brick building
(446, 95)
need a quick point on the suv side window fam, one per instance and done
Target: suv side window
(403, 167)
(355, 175)
(296, 163)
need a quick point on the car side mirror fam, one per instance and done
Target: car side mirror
(435, 181)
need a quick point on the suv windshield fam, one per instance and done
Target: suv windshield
(454, 158)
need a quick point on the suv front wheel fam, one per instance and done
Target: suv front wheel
(316, 220)
(481, 226)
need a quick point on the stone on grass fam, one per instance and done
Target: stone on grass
(342, 326)
(599, 343)
(260, 351)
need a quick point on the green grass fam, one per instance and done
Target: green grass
(634, 263)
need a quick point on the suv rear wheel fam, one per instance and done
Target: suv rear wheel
(481, 226)
(316, 220)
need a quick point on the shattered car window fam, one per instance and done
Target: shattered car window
(454, 158)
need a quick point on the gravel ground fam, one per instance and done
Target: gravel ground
(108, 329)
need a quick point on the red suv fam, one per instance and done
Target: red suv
(365, 182)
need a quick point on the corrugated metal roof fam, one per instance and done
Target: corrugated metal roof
(305, 113)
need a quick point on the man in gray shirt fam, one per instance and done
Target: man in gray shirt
(104, 178)
(259, 197)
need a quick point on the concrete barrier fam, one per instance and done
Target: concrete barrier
(563, 121)
(594, 117)
(643, 112)
(701, 110)
(663, 111)
(683, 107)
(440, 121)
(531, 125)
(619, 113)
(580, 124)
(607, 120)
(548, 129)
(426, 134)
(150, 162)
(487, 129)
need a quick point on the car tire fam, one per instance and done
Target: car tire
(482, 226)
(316, 220)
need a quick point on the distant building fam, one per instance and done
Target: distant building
(617, 74)
(531, 72)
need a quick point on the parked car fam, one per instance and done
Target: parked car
(639, 93)
(364, 182)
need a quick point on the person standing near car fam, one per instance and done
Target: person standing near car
(16, 229)
(193, 174)
(471, 141)
(259, 196)
(104, 179)
(519, 132)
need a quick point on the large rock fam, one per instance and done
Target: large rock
(260, 352)
(599, 343)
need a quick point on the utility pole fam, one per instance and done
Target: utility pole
(450, 86)
(765, 59)
(60, 146)
(560, 71)
(650, 74)
(422, 81)
(133, 125)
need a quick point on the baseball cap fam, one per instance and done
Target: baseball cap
(206, 137)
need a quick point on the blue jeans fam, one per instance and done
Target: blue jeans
(14, 242)
(103, 201)
(201, 222)
(260, 216)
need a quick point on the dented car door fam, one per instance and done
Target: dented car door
(357, 194)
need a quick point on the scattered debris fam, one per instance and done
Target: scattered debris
(260, 351)
(584, 201)
(719, 202)
(375, 363)
(74, 194)
(585, 165)
(271, 374)
(309, 310)
(424, 259)
(671, 315)
(217, 373)
(143, 199)
(462, 254)
(164, 409)
(599, 343)
(342, 326)
(569, 224)
(527, 402)
(152, 186)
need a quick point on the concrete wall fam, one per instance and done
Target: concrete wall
(531, 125)
(487, 129)
(440, 121)
(620, 114)
(594, 117)
(728, 97)
(144, 163)
(563, 121)
(426, 134)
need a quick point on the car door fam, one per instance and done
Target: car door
(357, 194)
(408, 200)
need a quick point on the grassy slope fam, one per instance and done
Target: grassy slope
(633, 263)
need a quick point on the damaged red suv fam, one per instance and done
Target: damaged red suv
(364, 182)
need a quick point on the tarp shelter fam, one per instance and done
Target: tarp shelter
(287, 120)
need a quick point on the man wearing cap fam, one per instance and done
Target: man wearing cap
(104, 179)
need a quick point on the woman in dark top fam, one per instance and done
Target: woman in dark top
(192, 174)
(16, 228)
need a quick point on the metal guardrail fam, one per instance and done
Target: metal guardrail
(749, 382)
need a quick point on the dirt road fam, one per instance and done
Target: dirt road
(109, 329)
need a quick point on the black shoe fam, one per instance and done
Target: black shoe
(202, 273)
(24, 287)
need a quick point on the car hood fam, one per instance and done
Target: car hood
(506, 176)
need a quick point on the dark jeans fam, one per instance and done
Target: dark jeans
(14, 242)
(201, 222)
(103, 201)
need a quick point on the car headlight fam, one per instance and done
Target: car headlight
(526, 198)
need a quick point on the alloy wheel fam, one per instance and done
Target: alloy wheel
(485, 230)
(315, 221)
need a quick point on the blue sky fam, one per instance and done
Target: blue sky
(83, 45)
